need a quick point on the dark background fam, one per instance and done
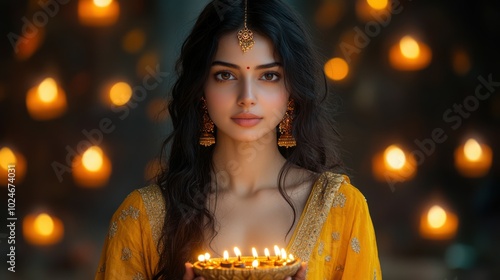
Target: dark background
(378, 106)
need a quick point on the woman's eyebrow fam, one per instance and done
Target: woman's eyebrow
(230, 65)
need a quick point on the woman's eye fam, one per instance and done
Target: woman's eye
(224, 76)
(270, 76)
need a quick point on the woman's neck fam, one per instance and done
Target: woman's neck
(247, 167)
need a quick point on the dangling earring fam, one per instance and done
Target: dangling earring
(207, 127)
(286, 139)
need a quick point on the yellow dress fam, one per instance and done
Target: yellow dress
(334, 234)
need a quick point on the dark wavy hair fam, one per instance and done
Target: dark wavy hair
(186, 179)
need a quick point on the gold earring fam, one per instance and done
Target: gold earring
(286, 139)
(207, 128)
(245, 35)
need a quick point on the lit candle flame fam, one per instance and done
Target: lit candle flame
(201, 258)
(226, 255)
(207, 257)
(254, 253)
(277, 251)
(266, 253)
(92, 159)
(290, 257)
(44, 224)
(283, 254)
(394, 157)
(436, 216)
(472, 150)
(47, 90)
(255, 263)
(409, 47)
(237, 252)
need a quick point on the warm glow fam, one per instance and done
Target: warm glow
(436, 217)
(134, 40)
(226, 255)
(277, 251)
(7, 157)
(255, 263)
(336, 69)
(44, 225)
(120, 93)
(377, 4)
(237, 252)
(283, 254)
(92, 159)
(409, 47)
(102, 3)
(266, 253)
(42, 229)
(201, 258)
(207, 256)
(47, 90)
(254, 253)
(394, 157)
(290, 257)
(472, 150)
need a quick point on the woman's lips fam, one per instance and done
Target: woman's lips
(246, 119)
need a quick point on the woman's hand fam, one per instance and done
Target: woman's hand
(189, 275)
(301, 273)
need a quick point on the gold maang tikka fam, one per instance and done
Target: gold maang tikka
(245, 35)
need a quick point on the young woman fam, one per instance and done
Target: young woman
(251, 159)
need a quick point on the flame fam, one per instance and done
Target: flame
(201, 258)
(237, 252)
(255, 263)
(266, 252)
(226, 255)
(277, 251)
(436, 217)
(92, 159)
(472, 150)
(409, 47)
(254, 253)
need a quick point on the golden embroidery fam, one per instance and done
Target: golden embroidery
(112, 229)
(130, 211)
(339, 200)
(102, 268)
(138, 276)
(355, 245)
(321, 246)
(374, 274)
(314, 215)
(339, 268)
(328, 258)
(155, 209)
(126, 254)
(336, 236)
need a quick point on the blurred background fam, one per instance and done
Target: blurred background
(83, 85)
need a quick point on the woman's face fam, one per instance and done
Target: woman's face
(245, 92)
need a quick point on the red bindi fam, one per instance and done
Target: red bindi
(248, 67)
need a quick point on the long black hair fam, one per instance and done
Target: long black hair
(186, 179)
